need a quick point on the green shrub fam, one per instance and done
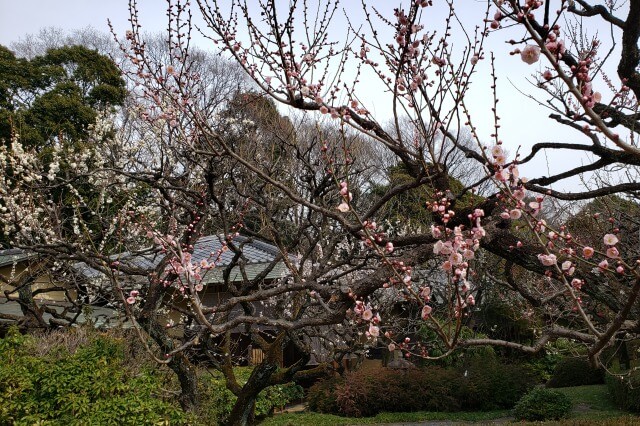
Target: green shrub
(217, 401)
(90, 386)
(481, 385)
(504, 383)
(542, 404)
(543, 364)
(625, 390)
(575, 372)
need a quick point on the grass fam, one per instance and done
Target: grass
(592, 405)
(613, 421)
(317, 419)
(591, 402)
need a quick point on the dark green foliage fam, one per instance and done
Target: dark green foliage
(543, 364)
(625, 390)
(217, 401)
(501, 320)
(96, 384)
(542, 404)
(505, 383)
(409, 207)
(58, 94)
(482, 384)
(575, 372)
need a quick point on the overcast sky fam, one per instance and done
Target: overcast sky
(523, 123)
(20, 17)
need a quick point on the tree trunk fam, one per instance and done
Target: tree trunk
(243, 412)
(32, 313)
(179, 364)
(188, 382)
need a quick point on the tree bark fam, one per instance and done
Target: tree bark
(179, 363)
(243, 412)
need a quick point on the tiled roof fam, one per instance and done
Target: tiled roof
(257, 256)
(100, 316)
(11, 256)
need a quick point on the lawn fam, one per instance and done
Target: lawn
(591, 405)
(592, 402)
(317, 419)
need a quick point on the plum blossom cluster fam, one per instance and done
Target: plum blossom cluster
(188, 270)
(27, 179)
(346, 197)
(611, 252)
(556, 47)
(373, 236)
(182, 270)
(582, 74)
(504, 173)
(455, 248)
(364, 313)
(133, 297)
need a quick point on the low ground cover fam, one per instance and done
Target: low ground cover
(592, 405)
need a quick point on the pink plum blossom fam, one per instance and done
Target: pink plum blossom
(576, 283)
(519, 194)
(374, 331)
(530, 54)
(613, 253)
(610, 239)
(367, 315)
(547, 259)
(588, 252)
(425, 294)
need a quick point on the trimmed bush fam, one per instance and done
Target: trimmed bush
(575, 372)
(542, 404)
(481, 385)
(321, 396)
(93, 385)
(625, 391)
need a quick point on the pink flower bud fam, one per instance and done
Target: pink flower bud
(426, 311)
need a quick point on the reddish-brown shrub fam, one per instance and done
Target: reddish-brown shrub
(481, 385)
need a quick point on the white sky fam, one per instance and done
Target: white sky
(523, 122)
